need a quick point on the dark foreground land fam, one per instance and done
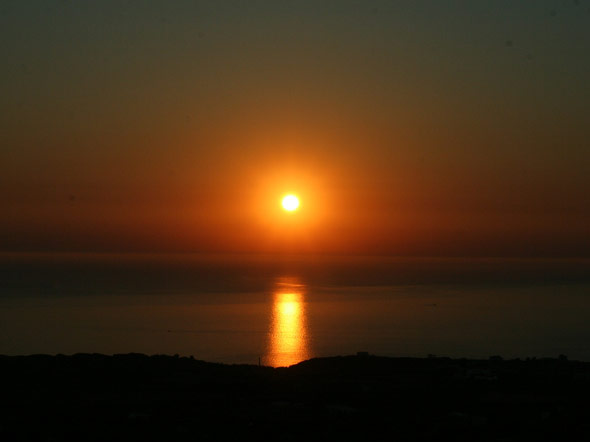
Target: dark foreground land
(136, 397)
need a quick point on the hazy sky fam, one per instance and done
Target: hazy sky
(406, 127)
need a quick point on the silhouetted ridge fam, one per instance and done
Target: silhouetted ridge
(137, 397)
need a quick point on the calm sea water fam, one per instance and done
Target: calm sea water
(237, 309)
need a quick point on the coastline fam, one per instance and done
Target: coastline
(139, 397)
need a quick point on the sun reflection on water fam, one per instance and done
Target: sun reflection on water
(288, 337)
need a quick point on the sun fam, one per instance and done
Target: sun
(290, 203)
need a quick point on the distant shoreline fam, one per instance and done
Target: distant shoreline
(358, 356)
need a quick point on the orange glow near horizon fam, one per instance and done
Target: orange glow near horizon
(275, 227)
(288, 340)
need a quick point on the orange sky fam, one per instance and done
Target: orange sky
(133, 133)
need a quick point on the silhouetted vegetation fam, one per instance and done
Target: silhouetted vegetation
(137, 397)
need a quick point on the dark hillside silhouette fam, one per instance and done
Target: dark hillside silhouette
(136, 397)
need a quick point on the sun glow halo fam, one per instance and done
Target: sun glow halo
(290, 203)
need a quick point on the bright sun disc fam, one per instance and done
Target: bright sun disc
(290, 203)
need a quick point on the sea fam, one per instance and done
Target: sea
(279, 310)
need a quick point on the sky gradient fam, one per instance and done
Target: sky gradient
(406, 128)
